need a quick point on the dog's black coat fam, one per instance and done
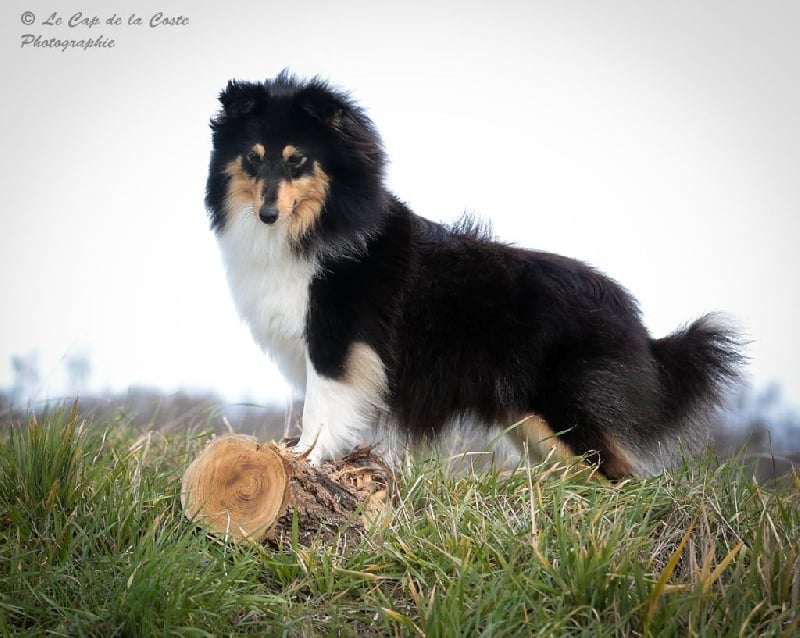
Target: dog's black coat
(466, 326)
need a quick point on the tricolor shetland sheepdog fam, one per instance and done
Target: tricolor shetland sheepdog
(395, 327)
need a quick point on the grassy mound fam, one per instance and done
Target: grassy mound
(93, 542)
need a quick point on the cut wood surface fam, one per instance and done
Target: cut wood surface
(238, 488)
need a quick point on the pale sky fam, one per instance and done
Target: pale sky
(658, 141)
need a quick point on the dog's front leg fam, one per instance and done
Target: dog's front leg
(337, 415)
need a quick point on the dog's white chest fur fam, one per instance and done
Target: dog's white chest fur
(269, 285)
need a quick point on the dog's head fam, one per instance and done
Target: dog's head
(297, 153)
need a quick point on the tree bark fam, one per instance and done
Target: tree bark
(239, 489)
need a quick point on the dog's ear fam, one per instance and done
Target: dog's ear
(324, 105)
(238, 98)
(339, 114)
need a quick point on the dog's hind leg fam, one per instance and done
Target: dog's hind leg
(339, 412)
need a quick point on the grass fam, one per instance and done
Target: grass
(93, 542)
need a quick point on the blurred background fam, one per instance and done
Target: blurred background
(659, 142)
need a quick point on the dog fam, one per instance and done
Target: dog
(397, 328)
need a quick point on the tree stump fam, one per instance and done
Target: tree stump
(240, 489)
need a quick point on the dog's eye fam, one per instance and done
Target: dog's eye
(295, 163)
(253, 158)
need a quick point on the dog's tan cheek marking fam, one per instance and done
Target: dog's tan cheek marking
(540, 438)
(286, 198)
(364, 371)
(240, 186)
(243, 190)
(302, 200)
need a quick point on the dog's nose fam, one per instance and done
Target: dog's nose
(268, 213)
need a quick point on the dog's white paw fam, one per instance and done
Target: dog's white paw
(313, 454)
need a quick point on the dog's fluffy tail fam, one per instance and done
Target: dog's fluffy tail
(697, 365)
